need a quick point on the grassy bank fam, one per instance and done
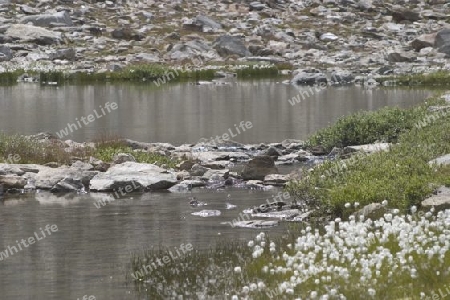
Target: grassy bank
(25, 150)
(402, 175)
(150, 73)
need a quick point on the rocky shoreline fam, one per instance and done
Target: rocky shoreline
(347, 38)
(209, 165)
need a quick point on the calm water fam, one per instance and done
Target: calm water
(89, 252)
(186, 113)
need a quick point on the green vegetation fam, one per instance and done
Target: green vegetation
(150, 72)
(209, 271)
(360, 261)
(31, 151)
(28, 150)
(8, 78)
(384, 125)
(106, 150)
(402, 176)
(440, 78)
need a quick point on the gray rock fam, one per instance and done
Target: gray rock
(33, 34)
(205, 21)
(147, 176)
(255, 224)
(186, 186)
(256, 5)
(309, 78)
(399, 15)
(342, 77)
(48, 178)
(442, 41)
(258, 168)
(198, 170)
(401, 56)
(275, 179)
(207, 213)
(441, 200)
(423, 41)
(230, 45)
(5, 53)
(68, 185)
(68, 54)
(127, 34)
(369, 210)
(284, 214)
(440, 161)
(12, 182)
(45, 20)
(216, 175)
(328, 37)
(190, 50)
(369, 148)
(272, 151)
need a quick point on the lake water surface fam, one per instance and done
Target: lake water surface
(185, 113)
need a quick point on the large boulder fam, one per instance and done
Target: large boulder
(440, 161)
(423, 41)
(140, 176)
(12, 182)
(230, 45)
(5, 53)
(309, 78)
(399, 15)
(33, 34)
(45, 20)
(202, 23)
(207, 22)
(258, 168)
(63, 179)
(127, 34)
(442, 41)
(68, 54)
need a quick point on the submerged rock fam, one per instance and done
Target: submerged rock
(256, 224)
(207, 213)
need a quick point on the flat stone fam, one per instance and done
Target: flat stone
(145, 176)
(289, 213)
(207, 213)
(276, 179)
(371, 148)
(255, 224)
(440, 161)
(441, 200)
